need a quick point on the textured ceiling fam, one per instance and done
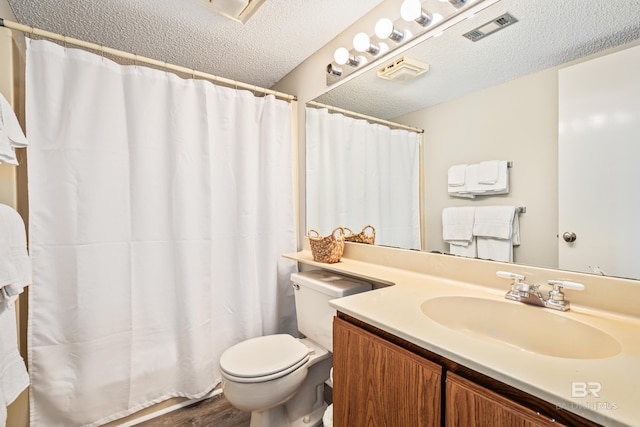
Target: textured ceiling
(283, 33)
(280, 35)
(549, 33)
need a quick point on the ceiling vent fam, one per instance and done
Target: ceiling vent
(238, 10)
(403, 69)
(490, 27)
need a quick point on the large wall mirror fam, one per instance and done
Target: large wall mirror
(500, 98)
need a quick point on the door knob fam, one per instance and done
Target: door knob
(569, 236)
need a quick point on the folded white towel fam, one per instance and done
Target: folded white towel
(457, 224)
(501, 186)
(488, 172)
(11, 134)
(456, 175)
(494, 221)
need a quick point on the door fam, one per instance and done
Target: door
(599, 165)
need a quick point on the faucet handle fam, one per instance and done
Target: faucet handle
(556, 296)
(509, 275)
(558, 284)
(518, 284)
(519, 289)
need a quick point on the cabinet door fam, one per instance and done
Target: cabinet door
(376, 383)
(471, 405)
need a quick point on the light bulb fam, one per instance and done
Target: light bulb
(341, 55)
(410, 10)
(384, 28)
(361, 42)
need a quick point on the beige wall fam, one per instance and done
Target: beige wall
(5, 11)
(515, 121)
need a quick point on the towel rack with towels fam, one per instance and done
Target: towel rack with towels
(479, 179)
(521, 209)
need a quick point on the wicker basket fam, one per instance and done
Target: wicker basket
(361, 237)
(329, 248)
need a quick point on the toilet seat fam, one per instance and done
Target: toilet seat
(263, 358)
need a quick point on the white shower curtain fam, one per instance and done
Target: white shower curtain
(159, 210)
(361, 173)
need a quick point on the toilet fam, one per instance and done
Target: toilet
(279, 378)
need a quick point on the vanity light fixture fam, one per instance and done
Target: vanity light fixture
(414, 25)
(362, 43)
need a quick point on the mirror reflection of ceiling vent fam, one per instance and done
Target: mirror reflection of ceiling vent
(403, 69)
(238, 10)
(490, 27)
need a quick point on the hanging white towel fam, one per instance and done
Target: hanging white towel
(495, 228)
(15, 265)
(11, 134)
(469, 250)
(13, 373)
(457, 230)
(494, 221)
(15, 274)
(457, 224)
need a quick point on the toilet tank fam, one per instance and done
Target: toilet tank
(313, 291)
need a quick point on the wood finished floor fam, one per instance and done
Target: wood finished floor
(213, 412)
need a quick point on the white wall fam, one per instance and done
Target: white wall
(516, 121)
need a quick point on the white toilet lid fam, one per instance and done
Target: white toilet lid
(264, 356)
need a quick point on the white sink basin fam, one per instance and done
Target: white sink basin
(523, 327)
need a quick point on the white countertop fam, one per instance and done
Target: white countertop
(397, 309)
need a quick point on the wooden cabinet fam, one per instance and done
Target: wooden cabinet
(471, 405)
(381, 380)
(379, 384)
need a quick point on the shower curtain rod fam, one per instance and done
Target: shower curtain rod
(363, 116)
(136, 58)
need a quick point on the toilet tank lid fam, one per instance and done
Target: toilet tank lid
(329, 283)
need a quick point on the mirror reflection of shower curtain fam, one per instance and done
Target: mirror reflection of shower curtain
(361, 173)
(159, 210)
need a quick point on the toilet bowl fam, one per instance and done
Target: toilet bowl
(279, 378)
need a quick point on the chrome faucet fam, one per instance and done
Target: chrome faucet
(530, 293)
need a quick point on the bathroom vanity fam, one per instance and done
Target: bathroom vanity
(378, 376)
(436, 343)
